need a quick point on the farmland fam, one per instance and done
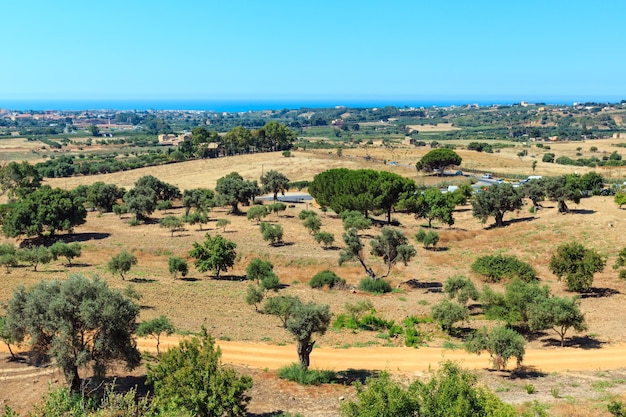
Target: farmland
(219, 303)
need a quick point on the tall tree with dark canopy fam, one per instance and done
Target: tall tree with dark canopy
(162, 190)
(274, 182)
(44, 210)
(77, 322)
(275, 137)
(104, 196)
(577, 265)
(19, 179)
(564, 188)
(233, 189)
(140, 201)
(496, 201)
(306, 320)
(438, 160)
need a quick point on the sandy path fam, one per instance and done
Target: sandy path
(262, 356)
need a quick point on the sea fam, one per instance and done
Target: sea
(232, 106)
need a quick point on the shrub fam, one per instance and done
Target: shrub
(312, 224)
(462, 288)
(272, 233)
(302, 376)
(501, 343)
(447, 313)
(326, 277)
(428, 239)
(548, 157)
(256, 213)
(325, 238)
(496, 267)
(375, 286)
(176, 265)
(577, 265)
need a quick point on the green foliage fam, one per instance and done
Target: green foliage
(55, 315)
(305, 321)
(431, 205)
(274, 182)
(428, 239)
(438, 160)
(44, 210)
(353, 219)
(557, 313)
(200, 199)
(215, 253)
(548, 157)
(451, 391)
(254, 296)
(197, 217)
(374, 286)
(140, 201)
(277, 207)
(620, 262)
(165, 205)
(19, 179)
(233, 189)
(191, 377)
(576, 264)
(362, 190)
(617, 408)
(513, 306)
(502, 344)
(120, 209)
(296, 373)
(256, 213)
(325, 238)
(121, 263)
(326, 278)
(162, 190)
(104, 196)
(8, 257)
(258, 269)
(173, 223)
(447, 313)
(496, 201)
(177, 265)
(68, 251)
(222, 223)
(312, 224)
(564, 188)
(281, 306)
(272, 233)
(496, 267)
(462, 288)
(156, 327)
(306, 213)
(620, 199)
(34, 256)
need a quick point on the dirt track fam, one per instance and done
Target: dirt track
(262, 356)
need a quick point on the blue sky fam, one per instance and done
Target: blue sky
(548, 50)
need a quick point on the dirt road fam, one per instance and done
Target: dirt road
(262, 356)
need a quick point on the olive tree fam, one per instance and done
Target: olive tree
(121, 263)
(77, 322)
(502, 344)
(215, 253)
(576, 264)
(306, 320)
(154, 328)
(559, 314)
(391, 245)
(496, 201)
(274, 182)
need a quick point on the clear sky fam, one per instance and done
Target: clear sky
(541, 50)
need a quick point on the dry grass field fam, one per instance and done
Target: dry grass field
(219, 303)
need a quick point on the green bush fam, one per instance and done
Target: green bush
(326, 277)
(496, 267)
(302, 376)
(345, 321)
(374, 286)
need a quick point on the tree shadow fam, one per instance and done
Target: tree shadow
(526, 372)
(77, 265)
(438, 249)
(279, 244)
(510, 222)
(229, 278)
(435, 287)
(146, 307)
(581, 342)
(67, 238)
(582, 211)
(332, 247)
(122, 384)
(350, 376)
(596, 292)
(188, 279)
(277, 413)
(142, 280)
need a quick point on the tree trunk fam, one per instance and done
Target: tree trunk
(563, 207)
(499, 217)
(389, 216)
(304, 352)
(74, 379)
